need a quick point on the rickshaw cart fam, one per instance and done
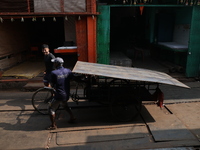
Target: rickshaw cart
(121, 88)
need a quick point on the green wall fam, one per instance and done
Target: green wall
(184, 15)
(103, 34)
(193, 58)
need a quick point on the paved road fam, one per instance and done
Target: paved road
(176, 125)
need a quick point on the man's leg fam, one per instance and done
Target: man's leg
(72, 117)
(52, 114)
(53, 120)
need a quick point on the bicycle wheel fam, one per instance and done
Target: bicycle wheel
(41, 98)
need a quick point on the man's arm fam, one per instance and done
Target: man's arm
(53, 80)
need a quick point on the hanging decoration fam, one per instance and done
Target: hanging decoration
(54, 19)
(34, 19)
(1, 20)
(141, 8)
(43, 19)
(66, 18)
(79, 17)
(12, 19)
(198, 2)
(186, 2)
(191, 2)
(92, 16)
(181, 2)
(22, 19)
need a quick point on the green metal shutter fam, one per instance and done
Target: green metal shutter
(193, 59)
(103, 35)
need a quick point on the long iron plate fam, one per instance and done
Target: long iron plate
(129, 73)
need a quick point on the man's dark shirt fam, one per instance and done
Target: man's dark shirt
(48, 63)
(60, 79)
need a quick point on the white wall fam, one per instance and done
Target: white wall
(181, 33)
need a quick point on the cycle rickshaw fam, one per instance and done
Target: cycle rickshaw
(121, 88)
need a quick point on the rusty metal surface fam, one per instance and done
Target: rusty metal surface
(128, 73)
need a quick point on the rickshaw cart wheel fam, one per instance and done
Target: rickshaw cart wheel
(124, 102)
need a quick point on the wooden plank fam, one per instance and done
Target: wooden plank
(167, 127)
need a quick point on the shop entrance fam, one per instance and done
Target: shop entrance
(127, 28)
(47, 31)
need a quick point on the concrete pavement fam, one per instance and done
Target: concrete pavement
(177, 125)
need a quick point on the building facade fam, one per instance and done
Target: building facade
(168, 28)
(26, 24)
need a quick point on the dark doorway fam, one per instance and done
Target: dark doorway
(47, 30)
(127, 27)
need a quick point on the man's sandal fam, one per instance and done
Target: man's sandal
(51, 128)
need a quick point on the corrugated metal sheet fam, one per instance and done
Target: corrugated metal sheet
(75, 6)
(47, 6)
(128, 73)
(55, 6)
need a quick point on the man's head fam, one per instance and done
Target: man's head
(58, 61)
(45, 49)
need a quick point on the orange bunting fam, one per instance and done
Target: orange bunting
(141, 8)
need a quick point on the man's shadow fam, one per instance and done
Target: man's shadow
(17, 113)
